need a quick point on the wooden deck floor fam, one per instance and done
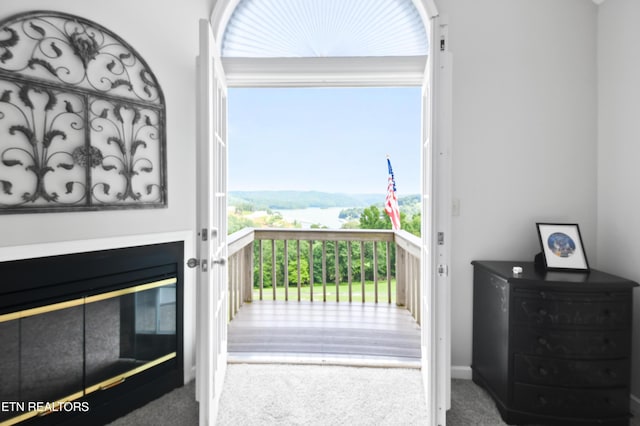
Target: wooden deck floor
(325, 333)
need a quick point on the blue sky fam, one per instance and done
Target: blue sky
(324, 139)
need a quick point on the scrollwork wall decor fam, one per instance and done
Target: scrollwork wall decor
(82, 119)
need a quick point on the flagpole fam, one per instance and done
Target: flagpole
(391, 200)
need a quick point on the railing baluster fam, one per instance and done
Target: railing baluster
(412, 291)
(362, 270)
(273, 268)
(239, 258)
(233, 271)
(418, 292)
(230, 288)
(249, 272)
(311, 270)
(261, 269)
(375, 269)
(241, 276)
(388, 272)
(299, 277)
(286, 269)
(238, 280)
(409, 289)
(238, 264)
(324, 271)
(349, 270)
(337, 270)
(414, 288)
(400, 276)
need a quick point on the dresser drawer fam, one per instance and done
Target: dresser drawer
(571, 343)
(576, 403)
(581, 313)
(565, 372)
(547, 293)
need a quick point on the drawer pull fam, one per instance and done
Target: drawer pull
(542, 340)
(542, 311)
(542, 400)
(609, 372)
(543, 371)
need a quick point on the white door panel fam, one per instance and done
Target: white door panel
(212, 227)
(436, 226)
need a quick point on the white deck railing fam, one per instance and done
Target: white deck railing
(364, 260)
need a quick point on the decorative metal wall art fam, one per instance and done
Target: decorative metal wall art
(82, 119)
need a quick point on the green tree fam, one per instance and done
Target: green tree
(374, 218)
(352, 224)
(237, 222)
(412, 225)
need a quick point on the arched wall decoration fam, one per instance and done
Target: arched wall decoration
(82, 119)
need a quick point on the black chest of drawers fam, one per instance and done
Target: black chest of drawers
(553, 347)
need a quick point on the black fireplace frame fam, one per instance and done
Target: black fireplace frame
(34, 282)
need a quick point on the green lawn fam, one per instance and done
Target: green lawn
(356, 291)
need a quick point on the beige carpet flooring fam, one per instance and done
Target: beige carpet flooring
(285, 395)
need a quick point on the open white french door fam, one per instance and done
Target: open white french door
(436, 226)
(211, 163)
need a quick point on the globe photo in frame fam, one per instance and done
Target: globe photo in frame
(562, 247)
(561, 244)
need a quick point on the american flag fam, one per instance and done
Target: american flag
(391, 203)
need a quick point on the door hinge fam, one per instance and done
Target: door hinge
(440, 238)
(444, 33)
(204, 234)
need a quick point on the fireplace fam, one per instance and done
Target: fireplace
(88, 337)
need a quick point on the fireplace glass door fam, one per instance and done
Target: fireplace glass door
(63, 351)
(41, 356)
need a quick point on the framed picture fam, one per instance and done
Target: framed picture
(562, 247)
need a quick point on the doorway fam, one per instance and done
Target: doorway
(435, 158)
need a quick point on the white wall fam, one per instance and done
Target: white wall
(524, 133)
(165, 33)
(619, 152)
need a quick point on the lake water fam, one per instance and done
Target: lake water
(314, 215)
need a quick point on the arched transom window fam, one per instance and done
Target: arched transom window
(328, 28)
(82, 118)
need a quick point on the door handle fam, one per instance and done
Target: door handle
(220, 261)
(193, 262)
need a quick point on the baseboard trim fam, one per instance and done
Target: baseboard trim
(460, 372)
(635, 405)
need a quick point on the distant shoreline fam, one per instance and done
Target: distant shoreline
(291, 200)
